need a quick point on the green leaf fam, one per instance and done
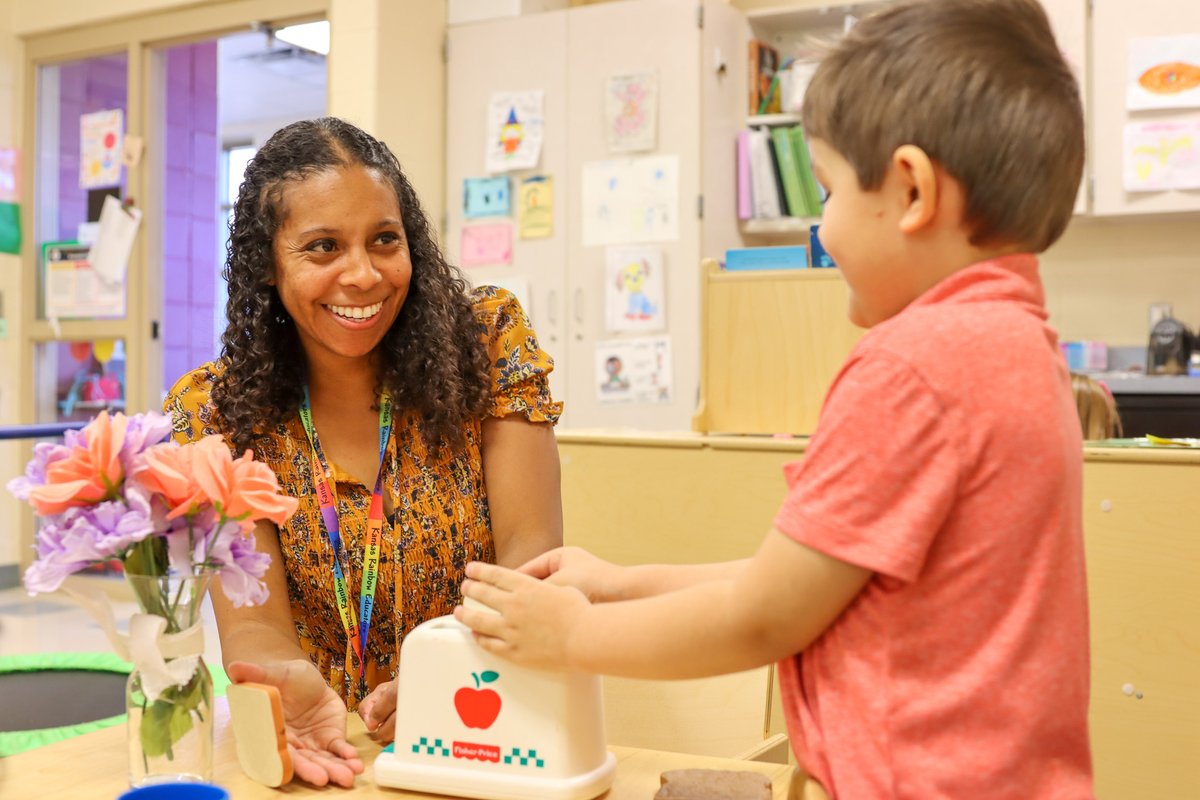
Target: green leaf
(489, 676)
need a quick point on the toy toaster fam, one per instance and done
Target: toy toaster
(473, 725)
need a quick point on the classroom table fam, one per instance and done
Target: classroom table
(95, 765)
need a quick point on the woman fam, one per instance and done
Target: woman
(341, 310)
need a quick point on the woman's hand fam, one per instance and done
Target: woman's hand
(599, 580)
(530, 621)
(314, 720)
(378, 712)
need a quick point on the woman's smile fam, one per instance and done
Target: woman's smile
(357, 315)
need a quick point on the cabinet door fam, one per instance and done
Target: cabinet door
(515, 54)
(1069, 20)
(1115, 23)
(611, 39)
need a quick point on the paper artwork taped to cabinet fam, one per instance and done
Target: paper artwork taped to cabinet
(485, 197)
(1164, 72)
(489, 243)
(635, 299)
(535, 207)
(631, 112)
(634, 370)
(100, 148)
(1160, 156)
(515, 129)
(632, 200)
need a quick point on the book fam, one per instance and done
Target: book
(763, 63)
(745, 197)
(763, 189)
(810, 189)
(789, 172)
(754, 258)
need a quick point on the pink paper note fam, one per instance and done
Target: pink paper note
(486, 244)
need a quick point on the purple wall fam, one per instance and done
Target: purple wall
(96, 84)
(191, 263)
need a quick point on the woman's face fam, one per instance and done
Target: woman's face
(342, 264)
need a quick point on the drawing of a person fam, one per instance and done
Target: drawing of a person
(616, 381)
(632, 279)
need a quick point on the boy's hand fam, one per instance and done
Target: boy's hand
(598, 579)
(534, 623)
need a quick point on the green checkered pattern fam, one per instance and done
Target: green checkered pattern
(435, 749)
(530, 757)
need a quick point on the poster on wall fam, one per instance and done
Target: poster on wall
(1159, 156)
(634, 370)
(631, 200)
(1164, 72)
(634, 295)
(10, 211)
(100, 148)
(489, 243)
(72, 289)
(631, 112)
(515, 129)
(535, 207)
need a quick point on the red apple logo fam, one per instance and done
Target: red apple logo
(478, 708)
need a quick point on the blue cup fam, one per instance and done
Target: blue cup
(181, 790)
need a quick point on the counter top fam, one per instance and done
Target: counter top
(99, 769)
(1140, 383)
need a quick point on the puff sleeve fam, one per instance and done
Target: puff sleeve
(520, 368)
(188, 404)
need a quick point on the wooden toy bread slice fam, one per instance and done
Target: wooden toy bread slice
(713, 784)
(257, 715)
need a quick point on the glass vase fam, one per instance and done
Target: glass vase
(170, 735)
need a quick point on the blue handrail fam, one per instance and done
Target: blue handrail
(40, 430)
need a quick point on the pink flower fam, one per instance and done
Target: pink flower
(242, 489)
(167, 470)
(90, 472)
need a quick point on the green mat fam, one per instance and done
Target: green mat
(13, 742)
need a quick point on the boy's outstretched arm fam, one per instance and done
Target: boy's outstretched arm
(772, 607)
(605, 582)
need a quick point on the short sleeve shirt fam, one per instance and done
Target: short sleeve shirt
(440, 520)
(948, 461)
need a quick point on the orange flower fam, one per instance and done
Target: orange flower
(90, 473)
(242, 488)
(167, 470)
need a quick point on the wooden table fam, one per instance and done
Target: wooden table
(96, 766)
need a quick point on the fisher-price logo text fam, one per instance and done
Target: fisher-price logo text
(477, 752)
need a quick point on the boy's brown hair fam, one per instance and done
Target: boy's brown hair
(981, 87)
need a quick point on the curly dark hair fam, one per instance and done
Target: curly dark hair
(433, 359)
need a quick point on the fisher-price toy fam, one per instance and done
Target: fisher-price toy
(473, 725)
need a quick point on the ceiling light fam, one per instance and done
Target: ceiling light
(309, 35)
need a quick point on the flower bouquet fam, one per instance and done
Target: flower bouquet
(174, 515)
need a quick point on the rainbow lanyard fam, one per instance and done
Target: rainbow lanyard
(356, 633)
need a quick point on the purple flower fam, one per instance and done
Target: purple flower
(219, 544)
(144, 431)
(44, 454)
(68, 542)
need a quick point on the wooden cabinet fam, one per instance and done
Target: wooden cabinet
(570, 55)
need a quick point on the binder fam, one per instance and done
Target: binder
(789, 171)
(745, 197)
(762, 176)
(809, 187)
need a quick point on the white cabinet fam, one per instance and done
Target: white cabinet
(1115, 23)
(570, 55)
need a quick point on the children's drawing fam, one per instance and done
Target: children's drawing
(631, 111)
(626, 201)
(485, 197)
(634, 289)
(1161, 156)
(515, 126)
(486, 244)
(100, 148)
(535, 207)
(1164, 72)
(634, 370)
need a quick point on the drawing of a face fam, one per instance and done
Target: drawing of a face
(633, 276)
(512, 133)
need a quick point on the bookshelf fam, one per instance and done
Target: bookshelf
(771, 120)
(780, 226)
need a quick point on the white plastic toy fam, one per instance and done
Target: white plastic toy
(473, 725)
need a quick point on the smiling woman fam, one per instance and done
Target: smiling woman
(412, 421)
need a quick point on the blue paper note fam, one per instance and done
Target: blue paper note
(486, 197)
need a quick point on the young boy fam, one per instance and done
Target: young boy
(923, 587)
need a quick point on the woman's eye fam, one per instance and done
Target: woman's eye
(321, 246)
(387, 238)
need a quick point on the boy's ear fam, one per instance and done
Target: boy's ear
(918, 178)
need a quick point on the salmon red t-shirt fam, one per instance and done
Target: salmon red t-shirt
(948, 460)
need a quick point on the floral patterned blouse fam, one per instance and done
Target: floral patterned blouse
(440, 517)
